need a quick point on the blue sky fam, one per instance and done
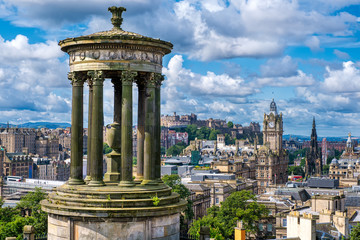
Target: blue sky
(230, 58)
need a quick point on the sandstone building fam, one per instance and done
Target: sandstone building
(271, 158)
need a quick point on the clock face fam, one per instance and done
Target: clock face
(271, 124)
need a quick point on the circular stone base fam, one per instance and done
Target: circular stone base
(113, 212)
(162, 227)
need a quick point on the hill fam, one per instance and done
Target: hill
(36, 125)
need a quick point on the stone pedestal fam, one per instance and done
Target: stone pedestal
(112, 212)
(163, 227)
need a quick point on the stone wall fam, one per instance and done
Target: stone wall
(164, 227)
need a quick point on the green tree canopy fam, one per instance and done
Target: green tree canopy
(355, 232)
(176, 149)
(230, 124)
(213, 134)
(238, 206)
(11, 221)
(297, 170)
(106, 148)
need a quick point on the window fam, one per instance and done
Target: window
(261, 227)
(217, 200)
(284, 222)
(269, 227)
(216, 189)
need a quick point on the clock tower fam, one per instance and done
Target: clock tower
(271, 159)
(273, 129)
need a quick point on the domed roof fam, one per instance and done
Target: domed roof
(273, 108)
(115, 35)
(335, 161)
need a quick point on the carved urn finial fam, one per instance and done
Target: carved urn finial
(116, 19)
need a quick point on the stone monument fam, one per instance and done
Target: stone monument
(117, 205)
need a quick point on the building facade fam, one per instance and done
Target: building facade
(271, 158)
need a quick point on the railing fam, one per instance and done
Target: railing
(41, 236)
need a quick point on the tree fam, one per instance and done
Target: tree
(297, 170)
(191, 130)
(355, 232)
(326, 169)
(176, 149)
(238, 206)
(213, 134)
(230, 124)
(11, 221)
(203, 133)
(106, 149)
(229, 140)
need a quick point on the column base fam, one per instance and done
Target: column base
(111, 177)
(87, 179)
(96, 183)
(126, 184)
(149, 182)
(74, 181)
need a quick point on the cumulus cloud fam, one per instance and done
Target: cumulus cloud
(33, 79)
(204, 30)
(208, 95)
(344, 80)
(202, 85)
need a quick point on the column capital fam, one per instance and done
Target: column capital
(96, 77)
(77, 78)
(128, 77)
(151, 81)
(159, 78)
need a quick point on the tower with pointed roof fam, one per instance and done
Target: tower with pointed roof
(313, 158)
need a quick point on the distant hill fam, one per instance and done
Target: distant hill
(307, 138)
(36, 125)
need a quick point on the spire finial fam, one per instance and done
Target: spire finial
(313, 122)
(116, 19)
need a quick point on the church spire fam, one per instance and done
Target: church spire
(313, 132)
(314, 126)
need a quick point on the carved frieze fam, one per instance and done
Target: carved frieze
(115, 55)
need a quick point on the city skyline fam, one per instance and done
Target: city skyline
(230, 58)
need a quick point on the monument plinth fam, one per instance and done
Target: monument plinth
(114, 206)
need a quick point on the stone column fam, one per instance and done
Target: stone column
(149, 144)
(141, 129)
(127, 78)
(88, 177)
(158, 78)
(114, 137)
(97, 123)
(76, 165)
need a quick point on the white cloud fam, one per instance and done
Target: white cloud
(284, 67)
(344, 80)
(204, 30)
(313, 43)
(300, 79)
(202, 85)
(342, 55)
(33, 79)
